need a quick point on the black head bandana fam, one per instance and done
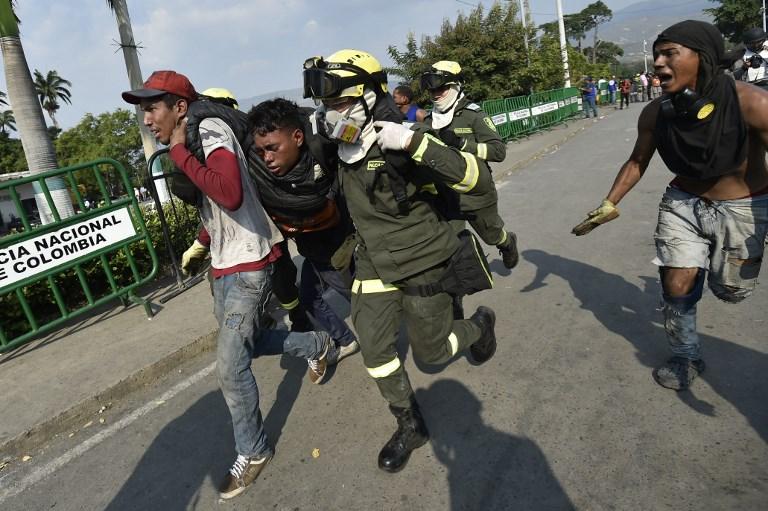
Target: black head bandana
(716, 145)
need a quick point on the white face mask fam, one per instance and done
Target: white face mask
(446, 102)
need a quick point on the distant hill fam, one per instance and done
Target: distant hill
(644, 20)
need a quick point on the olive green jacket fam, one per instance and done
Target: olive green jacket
(402, 245)
(472, 124)
(481, 140)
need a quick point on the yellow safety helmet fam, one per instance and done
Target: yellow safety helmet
(346, 73)
(221, 95)
(441, 74)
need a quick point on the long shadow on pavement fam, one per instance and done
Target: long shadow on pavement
(735, 372)
(198, 445)
(191, 447)
(487, 468)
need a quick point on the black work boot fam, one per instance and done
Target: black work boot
(299, 320)
(411, 434)
(508, 251)
(483, 349)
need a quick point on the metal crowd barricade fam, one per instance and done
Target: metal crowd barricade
(544, 108)
(519, 113)
(52, 273)
(181, 215)
(496, 110)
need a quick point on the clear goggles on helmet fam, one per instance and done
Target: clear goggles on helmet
(437, 79)
(320, 82)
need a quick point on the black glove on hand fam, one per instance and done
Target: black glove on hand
(448, 136)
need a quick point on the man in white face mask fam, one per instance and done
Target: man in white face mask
(403, 243)
(463, 125)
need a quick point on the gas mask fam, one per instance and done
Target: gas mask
(347, 125)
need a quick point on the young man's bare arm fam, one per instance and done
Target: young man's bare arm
(645, 145)
(630, 173)
(754, 108)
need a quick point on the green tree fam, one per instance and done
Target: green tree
(489, 46)
(50, 89)
(7, 121)
(38, 147)
(11, 154)
(2, 98)
(108, 135)
(595, 14)
(575, 28)
(607, 52)
(408, 64)
(734, 17)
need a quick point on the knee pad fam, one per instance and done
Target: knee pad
(683, 304)
(729, 294)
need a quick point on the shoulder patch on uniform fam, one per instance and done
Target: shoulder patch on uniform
(473, 106)
(488, 122)
(374, 164)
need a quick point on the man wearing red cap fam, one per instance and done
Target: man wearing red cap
(243, 244)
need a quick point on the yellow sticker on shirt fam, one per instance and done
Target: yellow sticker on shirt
(705, 111)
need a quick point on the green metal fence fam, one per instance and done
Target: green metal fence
(54, 272)
(521, 115)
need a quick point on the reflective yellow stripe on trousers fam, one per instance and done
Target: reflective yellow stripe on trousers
(384, 370)
(290, 305)
(371, 286)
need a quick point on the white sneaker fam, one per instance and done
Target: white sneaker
(349, 349)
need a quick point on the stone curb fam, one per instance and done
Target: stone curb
(88, 409)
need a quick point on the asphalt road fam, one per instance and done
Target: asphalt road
(565, 416)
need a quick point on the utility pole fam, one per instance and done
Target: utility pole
(563, 44)
(645, 55)
(525, 32)
(763, 12)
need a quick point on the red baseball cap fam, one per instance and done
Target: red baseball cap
(159, 83)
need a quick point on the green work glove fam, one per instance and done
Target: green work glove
(342, 258)
(192, 258)
(605, 213)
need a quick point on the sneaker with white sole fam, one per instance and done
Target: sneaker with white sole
(318, 367)
(337, 353)
(243, 472)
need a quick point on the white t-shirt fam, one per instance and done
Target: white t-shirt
(247, 234)
(754, 75)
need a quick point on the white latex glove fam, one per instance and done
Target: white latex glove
(192, 258)
(392, 136)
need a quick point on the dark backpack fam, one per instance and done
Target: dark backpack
(180, 184)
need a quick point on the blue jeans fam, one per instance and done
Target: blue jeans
(316, 278)
(726, 238)
(239, 300)
(589, 103)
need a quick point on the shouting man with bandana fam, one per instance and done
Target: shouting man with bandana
(712, 133)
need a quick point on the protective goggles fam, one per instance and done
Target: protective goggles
(320, 82)
(437, 79)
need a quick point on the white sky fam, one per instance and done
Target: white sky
(251, 47)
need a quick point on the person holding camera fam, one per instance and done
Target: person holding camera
(755, 58)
